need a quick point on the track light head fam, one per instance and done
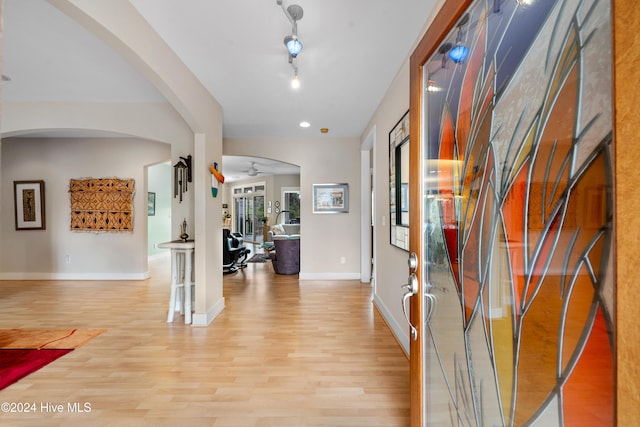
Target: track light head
(293, 44)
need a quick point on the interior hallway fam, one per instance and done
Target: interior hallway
(282, 353)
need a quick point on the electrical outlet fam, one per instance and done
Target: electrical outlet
(343, 260)
(67, 259)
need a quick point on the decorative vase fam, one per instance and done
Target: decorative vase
(183, 231)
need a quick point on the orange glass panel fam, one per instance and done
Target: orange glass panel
(588, 393)
(538, 347)
(513, 214)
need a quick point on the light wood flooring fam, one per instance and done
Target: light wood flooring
(282, 353)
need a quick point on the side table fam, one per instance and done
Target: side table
(181, 276)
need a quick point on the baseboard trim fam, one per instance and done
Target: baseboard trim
(329, 276)
(204, 319)
(399, 332)
(75, 276)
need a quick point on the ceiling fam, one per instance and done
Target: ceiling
(237, 168)
(352, 51)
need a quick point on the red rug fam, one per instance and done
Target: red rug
(18, 363)
(24, 351)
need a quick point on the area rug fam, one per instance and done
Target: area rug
(18, 363)
(259, 258)
(46, 338)
(24, 351)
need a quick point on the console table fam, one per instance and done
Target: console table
(181, 276)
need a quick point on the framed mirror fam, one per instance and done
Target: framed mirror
(399, 183)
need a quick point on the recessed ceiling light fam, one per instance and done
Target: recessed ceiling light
(304, 124)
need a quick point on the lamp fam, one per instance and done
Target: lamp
(278, 216)
(294, 46)
(460, 52)
(295, 82)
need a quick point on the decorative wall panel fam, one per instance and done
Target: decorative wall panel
(104, 204)
(520, 221)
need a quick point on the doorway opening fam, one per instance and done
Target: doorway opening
(248, 212)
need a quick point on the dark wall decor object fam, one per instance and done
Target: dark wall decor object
(28, 197)
(399, 183)
(182, 176)
(151, 203)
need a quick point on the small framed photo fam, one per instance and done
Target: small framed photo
(151, 203)
(28, 198)
(330, 198)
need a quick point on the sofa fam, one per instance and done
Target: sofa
(283, 231)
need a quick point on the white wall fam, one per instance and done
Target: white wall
(391, 262)
(40, 254)
(159, 227)
(326, 239)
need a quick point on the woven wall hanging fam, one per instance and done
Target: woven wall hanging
(104, 204)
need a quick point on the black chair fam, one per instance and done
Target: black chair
(234, 254)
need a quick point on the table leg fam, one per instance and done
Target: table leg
(174, 285)
(187, 287)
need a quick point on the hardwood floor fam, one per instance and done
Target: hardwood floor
(282, 353)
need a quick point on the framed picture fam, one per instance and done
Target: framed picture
(399, 183)
(28, 197)
(330, 198)
(151, 203)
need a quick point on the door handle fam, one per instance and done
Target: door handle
(430, 302)
(411, 289)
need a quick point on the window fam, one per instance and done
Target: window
(291, 205)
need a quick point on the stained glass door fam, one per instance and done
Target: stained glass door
(516, 216)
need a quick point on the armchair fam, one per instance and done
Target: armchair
(286, 258)
(234, 253)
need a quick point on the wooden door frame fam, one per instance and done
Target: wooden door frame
(626, 57)
(626, 98)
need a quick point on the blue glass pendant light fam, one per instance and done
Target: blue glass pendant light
(460, 52)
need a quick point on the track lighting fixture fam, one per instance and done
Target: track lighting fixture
(294, 45)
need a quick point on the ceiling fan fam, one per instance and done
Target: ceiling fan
(252, 171)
